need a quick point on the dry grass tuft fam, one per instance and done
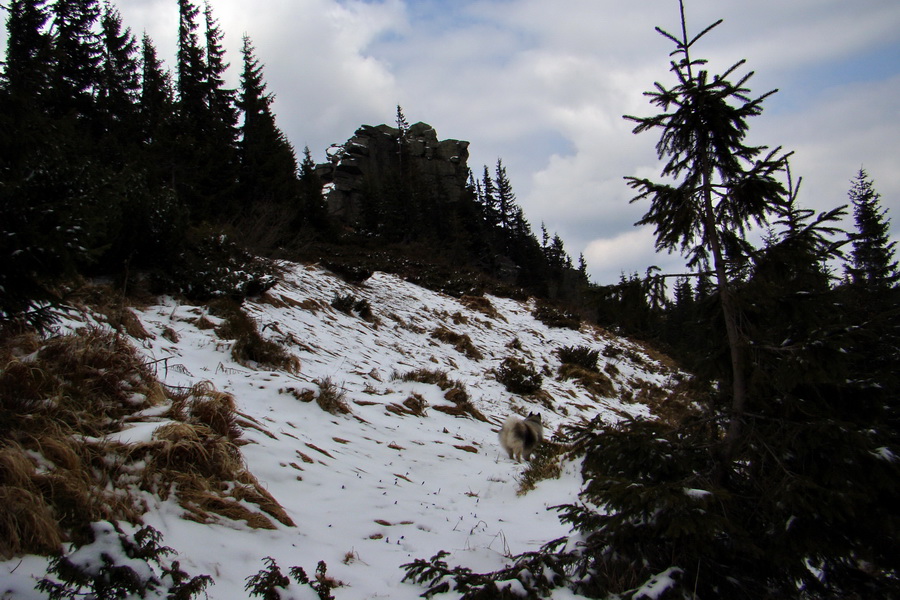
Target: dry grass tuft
(27, 525)
(331, 398)
(207, 474)
(250, 347)
(482, 305)
(594, 382)
(462, 342)
(207, 406)
(416, 405)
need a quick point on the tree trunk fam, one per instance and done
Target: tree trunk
(735, 340)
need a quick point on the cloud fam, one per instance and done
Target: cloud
(627, 253)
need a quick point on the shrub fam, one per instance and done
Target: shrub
(349, 304)
(213, 266)
(343, 303)
(517, 377)
(119, 565)
(551, 316)
(267, 583)
(579, 355)
(544, 464)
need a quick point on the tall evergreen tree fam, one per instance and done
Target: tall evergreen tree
(873, 265)
(26, 73)
(76, 57)
(725, 186)
(119, 89)
(268, 166)
(506, 199)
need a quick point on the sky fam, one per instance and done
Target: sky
(544, 89)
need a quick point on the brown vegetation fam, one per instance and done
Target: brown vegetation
(60, 398)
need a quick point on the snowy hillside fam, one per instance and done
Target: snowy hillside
(399, 476)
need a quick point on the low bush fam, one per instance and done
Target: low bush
(349, 304)
(271, 584)
(518, 377)
(551, 316)
(116, 564)
(579, 355)
(212, 266)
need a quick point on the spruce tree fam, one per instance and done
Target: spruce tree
(26, 73)
(76, 58)
(873, 265)
(723, 187)
(268, 185)
(119, 89)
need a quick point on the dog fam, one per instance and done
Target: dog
(520, 437)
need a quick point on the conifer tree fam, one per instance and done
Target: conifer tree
(157, 99)
(268, 171)
(76, 57)
(506, 199)
(119, 89)
(725, 186)
(26, 73)
(488, 199)
(873, 265)
(313, 211)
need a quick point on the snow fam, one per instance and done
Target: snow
(657, 585)
(372, 490)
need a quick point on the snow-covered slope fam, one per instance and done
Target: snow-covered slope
(376, 488)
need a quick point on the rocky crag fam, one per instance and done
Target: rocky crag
(377, 153)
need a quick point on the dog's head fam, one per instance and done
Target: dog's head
(534, 417)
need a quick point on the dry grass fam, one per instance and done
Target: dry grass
(482, 305)
(594, 382)
(207, 474)
(58, 397)
(331, 398)
(250, 348)
(462, 342)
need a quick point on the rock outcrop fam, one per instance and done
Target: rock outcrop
(375, 155)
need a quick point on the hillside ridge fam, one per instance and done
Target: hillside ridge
(398, 476)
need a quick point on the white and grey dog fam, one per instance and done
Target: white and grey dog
(520, 437)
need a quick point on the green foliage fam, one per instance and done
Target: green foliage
(212, 266)
(117, 565)
(551, 316)
(518, 377)
(270, 583)
(533, 575)
(579, 355)
(349, 304)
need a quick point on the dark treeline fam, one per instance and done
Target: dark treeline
(113, 165)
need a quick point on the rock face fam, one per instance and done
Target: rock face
(375, 155)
